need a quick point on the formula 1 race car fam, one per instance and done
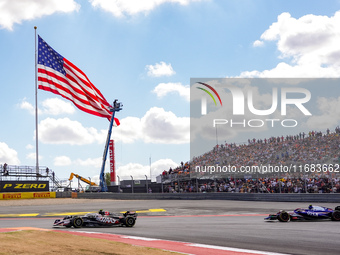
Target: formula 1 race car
(312, 213)
(100, 219)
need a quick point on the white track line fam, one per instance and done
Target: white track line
(233, 249)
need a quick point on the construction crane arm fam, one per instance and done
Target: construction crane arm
(82, 179)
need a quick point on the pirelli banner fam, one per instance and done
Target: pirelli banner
(30, 195)
(24, 186)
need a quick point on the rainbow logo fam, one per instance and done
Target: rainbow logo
(209, 93)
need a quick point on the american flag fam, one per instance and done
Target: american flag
(59, 76)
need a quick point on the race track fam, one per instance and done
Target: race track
(220, 223)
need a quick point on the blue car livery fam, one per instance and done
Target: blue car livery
(311, 213)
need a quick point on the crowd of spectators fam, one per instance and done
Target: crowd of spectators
(314, 147)
(291, 184)
(183, 169)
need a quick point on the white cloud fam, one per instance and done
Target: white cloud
(129, 131)
(156, 126)
(138, 171)
(50, 106)
(163, 89)
(258, 43)
(310, 45)
(283, 70)
(27, 106)
(8, 155)
(329, 113)
(62, 161)
(159, 166)
(66, 161)
(29, 147)
(160, 69)
(92, 162)
(160, 126)
(14, 12)
(56, 106)
(66, 131)
(32, 156)
(120, 8)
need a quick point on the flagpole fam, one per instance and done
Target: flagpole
(36, 105)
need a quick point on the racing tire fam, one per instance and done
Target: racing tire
(129, 221)
(77, 222)
(283, 217)
(336, 216)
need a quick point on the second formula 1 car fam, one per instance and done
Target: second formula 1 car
(311, 213)
(100, 219)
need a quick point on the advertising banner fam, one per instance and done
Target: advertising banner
(112, 163)
(24, 186)
(26, 195)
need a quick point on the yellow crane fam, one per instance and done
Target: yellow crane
(82, 179)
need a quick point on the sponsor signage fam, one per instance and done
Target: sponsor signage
(23, 186)
(11, 196)
(27, 195)
(112, 162)
(42, 195)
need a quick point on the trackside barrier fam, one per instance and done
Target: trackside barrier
(309, 197)
(26, 195)
(65, 194)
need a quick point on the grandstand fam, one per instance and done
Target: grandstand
(311, 162)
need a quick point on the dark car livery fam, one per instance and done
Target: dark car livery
(100, 219)
(311, 213)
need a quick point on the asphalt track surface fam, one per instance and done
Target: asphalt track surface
(235, 224)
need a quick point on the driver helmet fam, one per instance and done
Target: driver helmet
(310, 207)
(101, 212)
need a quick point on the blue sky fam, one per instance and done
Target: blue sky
(144, 54)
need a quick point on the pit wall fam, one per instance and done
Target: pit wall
(326, 198)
